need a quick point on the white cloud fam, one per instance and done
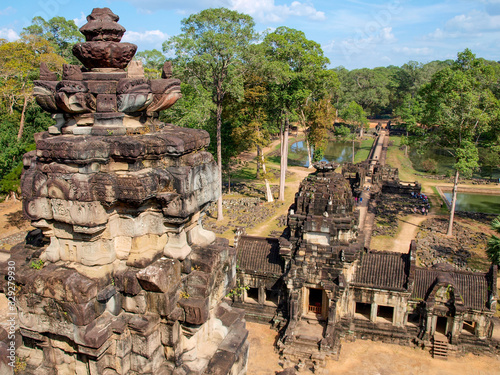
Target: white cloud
(8, 34)
(149, 36)
(386, 35)
(376, 39)
(7, 11)
(475, 24)
(474, 21)
(414, 51)
(268, 11)
(328, 47)
(261, 10)
(80, 21)
(190, 6)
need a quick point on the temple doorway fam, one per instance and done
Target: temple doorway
(441, 325)
(315, 300)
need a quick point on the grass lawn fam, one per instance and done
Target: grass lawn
(364, 149)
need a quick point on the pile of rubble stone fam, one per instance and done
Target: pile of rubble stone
(435, 247)
(244, 212)
(388, 208)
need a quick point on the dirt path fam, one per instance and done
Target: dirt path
(407, 231)
(248, 156)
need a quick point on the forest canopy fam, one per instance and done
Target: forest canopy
(266, 82)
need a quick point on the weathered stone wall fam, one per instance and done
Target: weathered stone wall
(130, 282)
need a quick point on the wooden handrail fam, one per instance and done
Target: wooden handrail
(315, 309)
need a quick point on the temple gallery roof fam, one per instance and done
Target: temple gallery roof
(472, 287)
(390, 271)
(383, 270)
(259, 254)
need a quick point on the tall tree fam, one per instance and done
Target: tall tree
(19, 64)
(317, 114)
(459, 107)
(355, 116)
(61, 33)
(320, 116)
(293, 61)
(210, 48)
(493, 246)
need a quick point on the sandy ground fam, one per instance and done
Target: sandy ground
(12, 220)
(368, 358)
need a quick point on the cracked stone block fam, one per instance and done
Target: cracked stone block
(160, 276)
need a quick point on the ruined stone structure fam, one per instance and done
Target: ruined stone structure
(131, 283)
(333, 287)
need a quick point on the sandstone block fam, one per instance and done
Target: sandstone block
(63, 284)
(123, 345)
(144, 325)
(221, 363)
(38, 208)
(82, 314)
(160, 276)
(102, 87)
(105, 54)
(200, 237)
(177, 246)
(126, 281)
(122, 246)
(196, 309)
(146, 345)
(106, 103)
(135, 304)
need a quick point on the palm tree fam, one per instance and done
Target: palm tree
(493, 247)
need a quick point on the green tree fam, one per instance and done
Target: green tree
(493, 246)
(19, 67)
(61, 33)
(292, 63)
(13, 149)
(355, 116)
(370, 88)
(320, 120)
(317, 113)
(152, 61)
(210, 48)
(458, 108)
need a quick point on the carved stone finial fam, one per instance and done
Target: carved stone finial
(46, 74)
(167, 70)
(102, 26)
(72, 72)
(135, 69)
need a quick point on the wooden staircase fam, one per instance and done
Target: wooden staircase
(439, 348)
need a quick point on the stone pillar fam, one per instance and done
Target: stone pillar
(431, 324)
(481, 327)
(373, 312)
(262, 294)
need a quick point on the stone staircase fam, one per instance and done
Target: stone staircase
(439, 348)
(305, 346)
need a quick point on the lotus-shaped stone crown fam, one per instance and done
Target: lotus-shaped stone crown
(102, 48)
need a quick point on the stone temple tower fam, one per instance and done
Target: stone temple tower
(128, 281)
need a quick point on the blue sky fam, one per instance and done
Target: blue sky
(352, 33)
